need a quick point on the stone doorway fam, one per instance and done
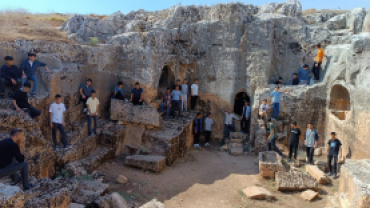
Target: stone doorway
(167, 79)
(340, 101)
(240, 99)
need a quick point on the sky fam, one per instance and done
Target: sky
(125, 6)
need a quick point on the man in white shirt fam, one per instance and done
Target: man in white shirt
(194, 94)
(92, 112)
(264, 109)
(56, 120)
(228, 124)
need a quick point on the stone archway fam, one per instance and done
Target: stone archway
(239, 101)
(167, 79)
(340, 101)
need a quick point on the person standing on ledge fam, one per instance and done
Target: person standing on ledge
(332, 152)
(118, 91)
(12, 159)
(304, 75)
(208, 126)
(137, 95)
(28, 69)
(295, 132)
(311, 138)
(56, 120)
(295, 79)
(279, 82)
(318, 61)
(21, 102)
(92, 112)
(85, 92)
(184, 88)
(275, 101)
(10, 75)
(167, 99)
(198, 129)
(194, 94)
(176, 99)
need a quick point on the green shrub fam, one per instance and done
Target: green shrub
(93, 41)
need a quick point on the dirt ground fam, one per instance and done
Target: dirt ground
(205, 178)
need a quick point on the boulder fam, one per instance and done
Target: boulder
(224, 148)
(89, 191)
(355, 19)
(237, 151)
(294, 181)
(336, 23)
(269, 163)
(317, 174)
(154, 203)
(118, 201)
(256, 192)
(366, 24)
(11, 197)
(309, 195)
(292, 8)
(122, 179)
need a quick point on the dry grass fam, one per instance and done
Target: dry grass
(21, 24)
(312, 11)
(96, 15)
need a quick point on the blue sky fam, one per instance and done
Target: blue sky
(125, 6)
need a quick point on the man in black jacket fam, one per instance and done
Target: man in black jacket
(10, 152)
(10, 75)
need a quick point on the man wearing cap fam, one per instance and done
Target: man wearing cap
(10, 75)
(28, 69)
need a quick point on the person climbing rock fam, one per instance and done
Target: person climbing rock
(272, 140)
(275, 101)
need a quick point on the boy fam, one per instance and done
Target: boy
(21, 102)
(92, 112)
(198, 128)
(176, 97)
(208, 123)
(245, 117)
(272, 140)
(275, 101)
(85, 92)
(279, 82)
(332, 152)
(194, 94)
(311, 138)
(10, 75)
(28, 69)
(56, 120)
(167, 98)
(118, 91)
(228, 124)
(318, 61)
(264, 108)
(137, 95)
(304, 75)
(295, 132)
(295, 79)
(178, 82)
(184, 95)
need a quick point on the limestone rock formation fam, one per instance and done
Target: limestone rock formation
(153, 204)
(309, 195)
(11, 197)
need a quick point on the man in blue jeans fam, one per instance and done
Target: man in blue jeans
(228, 123)
(28, 69)
(56, 120)
(92, 112)
(333, 151)
(311, 138)
(275, 101)
(272, 140)
(176, 97)
(167, 98)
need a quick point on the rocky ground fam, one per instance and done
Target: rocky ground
(205, 178)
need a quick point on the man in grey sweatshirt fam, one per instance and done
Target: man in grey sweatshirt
(311, 138)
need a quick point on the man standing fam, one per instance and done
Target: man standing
(311, 138)
(228, 124)
(198, 128)
(178, 83)
(275, 101)
(295, 132)
(28, 69)
(245, 117)
(176, 97)
(318, 61)
(272, 140)
(194, 94)
(85, 92)
(208, 123)
(334, 149)
(12, 159)
(10, 75)
(118, 91)
(92, 112)
(137, 95)
(184, 95)
(167, 98)
(304, 75)
(56, 120)
(21, 102)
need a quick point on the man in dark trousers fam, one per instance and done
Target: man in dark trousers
(198, 129)
(272, 140)
(245, 117)
(318, 61)
(12, 159)
(295, 132)
(10, 75)
(332, 152)
(85, 92)
(21, 102)
(137, 95)
(311, 138)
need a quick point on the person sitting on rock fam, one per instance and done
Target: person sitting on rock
(333, 151)
(10, 75)
(295, 132)
(12, 159)
(176, 99)
(118, 91)
(198, 129)
(28, 69)
(318, 61)
(275, 101)
(85, 92)
(92, 112)
(178, 83)
(21, 102)
(263, 111)
(228, 124)
(279, 82)
(137, 95)
(167, 99)
(295, 79)
(311, 138)
(272, 140)
(304, 75)
(56, 120)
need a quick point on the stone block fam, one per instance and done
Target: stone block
(236, 151)
(74, 205)
(89, 191)
(269, 163)
(237, 137)
(11, 197)
(294, 181)
(224, 147)
(147, 162)
(309, 195)
(260, 193)
(316, 173)
(154, 203)
(318, 151)
(236, 145)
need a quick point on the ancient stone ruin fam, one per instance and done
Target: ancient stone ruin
(230, 48)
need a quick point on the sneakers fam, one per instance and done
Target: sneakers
(334, 176)
(29, 187)
(207, 144)
(85, 110)
(196, 145)
(56, 148)
(328, 174)
(33, 94)
(68, 146)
